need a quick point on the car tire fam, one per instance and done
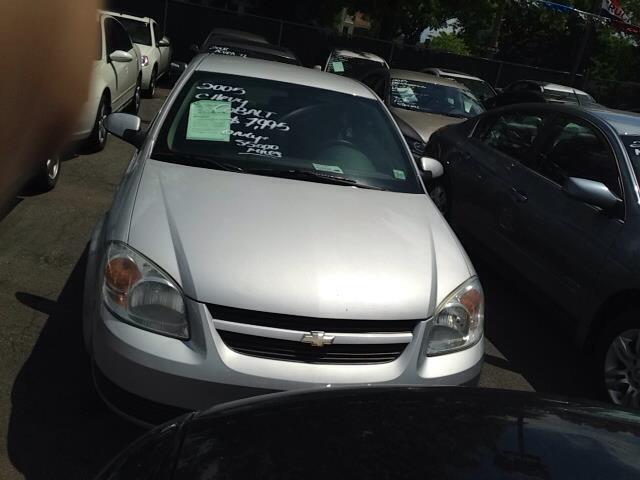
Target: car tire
(618, 359)
(439, 195)
(98, 138)
(49, 173)
(153, 81)
(134, 106)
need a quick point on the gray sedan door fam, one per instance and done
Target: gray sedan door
(567, 240)
(485, 180)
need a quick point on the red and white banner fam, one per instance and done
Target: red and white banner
(612, 8)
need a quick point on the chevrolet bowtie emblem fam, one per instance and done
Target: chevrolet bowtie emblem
(317, 339)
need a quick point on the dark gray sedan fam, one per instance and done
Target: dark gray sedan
(554, 191)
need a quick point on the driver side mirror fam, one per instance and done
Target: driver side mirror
(164, 42)
(121, 56)
(591, 192)
(431, 168)
(126, 127)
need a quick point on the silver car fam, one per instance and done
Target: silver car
(272, 232)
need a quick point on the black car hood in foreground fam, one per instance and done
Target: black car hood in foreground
(392, 433)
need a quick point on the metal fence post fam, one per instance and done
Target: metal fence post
(166, 17)
(498, 75)
(280, 33)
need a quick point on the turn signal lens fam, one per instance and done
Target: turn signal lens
(120, 274)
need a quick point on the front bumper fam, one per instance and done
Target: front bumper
(203, 371)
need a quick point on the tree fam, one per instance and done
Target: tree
(451, 43)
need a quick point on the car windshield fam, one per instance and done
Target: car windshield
(479, 88)
(632, 142)
(243, 52)
(138, 31)
(251, 125)
(433, 98)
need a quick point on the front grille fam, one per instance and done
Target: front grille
(308, 324)
(286, 350)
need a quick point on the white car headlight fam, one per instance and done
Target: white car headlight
(144, 61)
(138, 292)
(458, 322)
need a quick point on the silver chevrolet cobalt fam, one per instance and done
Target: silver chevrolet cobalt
(272, 232)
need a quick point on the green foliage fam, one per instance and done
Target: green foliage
(616, 58)
(451, 43)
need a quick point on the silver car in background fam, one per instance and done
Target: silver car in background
(271, 233)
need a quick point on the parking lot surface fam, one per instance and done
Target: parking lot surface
(54, 424)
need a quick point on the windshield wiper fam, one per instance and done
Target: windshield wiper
(201, 161)
(311, 176)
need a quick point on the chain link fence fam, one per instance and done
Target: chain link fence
(189, 22)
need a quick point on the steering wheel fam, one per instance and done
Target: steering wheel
(304, 110)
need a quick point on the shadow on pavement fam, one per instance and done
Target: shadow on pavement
(59, 428)
(536, 340)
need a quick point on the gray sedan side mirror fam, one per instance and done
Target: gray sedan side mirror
(591, 192)
(431, 167)
(126, 127)
(164, 42)
(121, 56)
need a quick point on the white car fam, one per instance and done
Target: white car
(116, 82)
(156, 49)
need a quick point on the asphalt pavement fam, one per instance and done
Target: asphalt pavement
(54, 425)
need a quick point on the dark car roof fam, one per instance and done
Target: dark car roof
(430, 433)
(622, 122)
(261, 48)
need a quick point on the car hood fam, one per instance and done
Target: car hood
(425, 123)
(294, 247)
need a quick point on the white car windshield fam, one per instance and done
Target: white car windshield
(274, 128)
(433, 98)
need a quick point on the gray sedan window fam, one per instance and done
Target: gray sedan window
(632, 143)
(512, 134)
(578, 150)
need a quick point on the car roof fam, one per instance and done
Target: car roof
(425, 77)
(237, 34)
(281, 72)
(555, 86)
(623, 123)
(453, 73)
(266, 48)
(126, 15)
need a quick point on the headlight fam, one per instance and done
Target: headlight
(144, 61)
(459, 321)
(138, 292)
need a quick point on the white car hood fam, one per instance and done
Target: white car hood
(295, 247)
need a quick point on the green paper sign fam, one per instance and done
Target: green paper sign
(209, 120)
(338, 67)
(399, 174)
(327, 168)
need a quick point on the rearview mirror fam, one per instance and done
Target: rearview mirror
(431, 168)
(126, 127)
(164, 42)
(121, 56)
(591, 192)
